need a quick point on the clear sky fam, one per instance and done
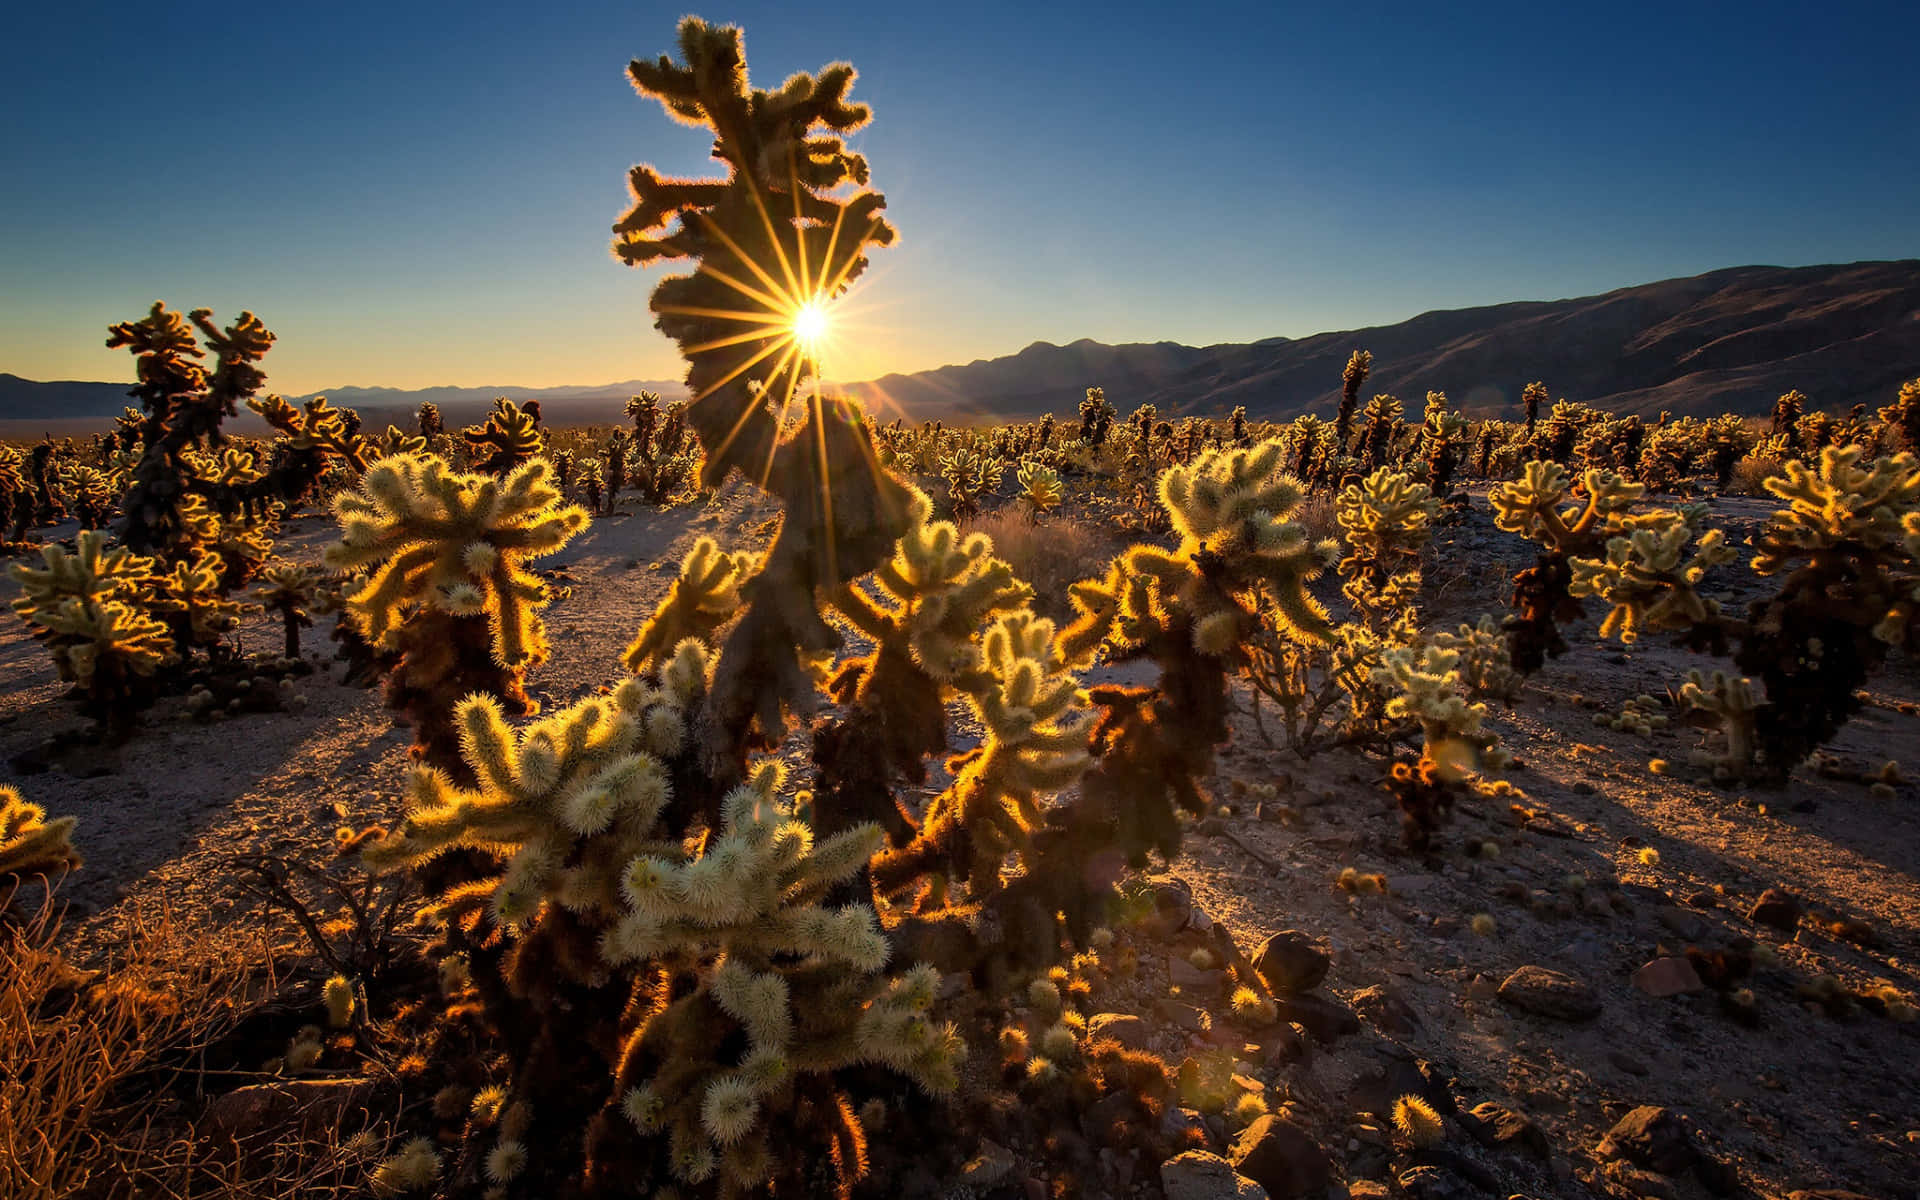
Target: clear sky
(416, 193)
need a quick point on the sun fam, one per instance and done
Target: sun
(810, 325)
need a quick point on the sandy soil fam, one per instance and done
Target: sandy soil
(1797, 1100)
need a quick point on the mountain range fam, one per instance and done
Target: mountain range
(1725, 341)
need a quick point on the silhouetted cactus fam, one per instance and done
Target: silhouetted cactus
(1359, 363)
(509, 439)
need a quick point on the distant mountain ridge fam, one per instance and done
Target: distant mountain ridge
(70, 404)
(1726, 341)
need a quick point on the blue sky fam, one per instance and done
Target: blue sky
(416, 194)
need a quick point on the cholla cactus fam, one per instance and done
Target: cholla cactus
(89, 494)
(1040, 489)
(290, 591)
(1382, 415)
(510, 439)
(16, 498)
(88, 607)
(1427, 687)
(1232, 507)
(1485, 666)
(1730, 701)
(969, 476)
(1096, 417)
(1442, 434)
(1388, 522)
(1542, 594)
(1846, 545)
(191, 599)
(30, 844)
(704, 597)
(1532, 396)
(1359, 363)
(452, 548)
(1036, 723)
(1651, 579)
(1902, 417)
(594, 884)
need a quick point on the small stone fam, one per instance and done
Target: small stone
(1432, 1183)
(304, 1103)
(1326, 1020)
(1130, 1031)
(1550, 994)
(1192, 978)
(1680, 922)
(1648, 1185)
(989, 1167)
(1498, 1125)
(1387, 1009)
(1197, 1175)
(1184, 1126)
(1668, 977)
(1281, 1157)
(1650, 1137)
(1366, 1189)
(1582, 788)
(1291, 961)
(1778, 908)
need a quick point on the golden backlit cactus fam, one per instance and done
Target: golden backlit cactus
(1485, 666)
(568, 801)
(30, 844)
(969, 476)
(1426, 687)
(290, 591)
(453, 543)
(87, 605)
(1651, 577)
(1036, 723)
(1388, 522)
(1730, 701)
(191, 599)
(704, 597)
(1230, 509)
(316, 434)
(1040, 490)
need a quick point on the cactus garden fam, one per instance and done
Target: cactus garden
(763, 793)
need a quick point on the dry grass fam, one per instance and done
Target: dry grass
(1051, 554)
(1750, 473)
(101, 1072)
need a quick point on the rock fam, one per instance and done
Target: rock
(1778, 908)
(1366, 1189)
(1432, 1183)
(1197, 1175)
(1387, 1009)
(1668, 977)
(1325, 1020)
(1681, 923)
(1282, 1158)
(1291, 961)
(1826, 1194)
(1192, 978)
(1648, 1185)
(989, 1167)
(1184, 1127)
(1130, 1031)
(1495, 1124)
(1550, 994)
(1650, 1137)
(1172, 908)
(272, 1107)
